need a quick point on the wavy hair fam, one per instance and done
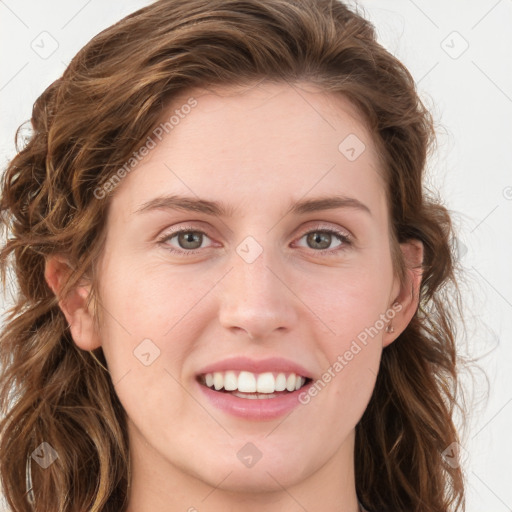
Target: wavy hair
(89, 122)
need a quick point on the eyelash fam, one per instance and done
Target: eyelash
(343, 237)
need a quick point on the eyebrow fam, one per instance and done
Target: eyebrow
(219, 209)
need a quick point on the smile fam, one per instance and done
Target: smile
(252, 396)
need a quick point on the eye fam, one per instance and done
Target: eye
(188, 241)
(321, 238)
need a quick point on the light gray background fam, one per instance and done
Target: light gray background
(460, 54)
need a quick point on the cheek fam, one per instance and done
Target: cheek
(149, 298)
(353, 306)
(350, 300)
(142, 314)
(144, 306)
(351, 355)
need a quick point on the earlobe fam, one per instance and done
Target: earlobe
(74, 305)
(409, 291)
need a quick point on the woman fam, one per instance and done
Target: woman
(232, 284)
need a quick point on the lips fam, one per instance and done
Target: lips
(254, 390)
(253, 406)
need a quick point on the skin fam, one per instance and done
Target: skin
(259, 150)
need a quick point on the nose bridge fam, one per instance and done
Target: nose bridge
(254, 296)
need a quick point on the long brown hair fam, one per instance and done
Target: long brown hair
(87, 124)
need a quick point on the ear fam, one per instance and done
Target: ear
(405, 297)
(74, 305)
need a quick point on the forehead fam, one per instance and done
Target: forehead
(291, 102)
(265, 142)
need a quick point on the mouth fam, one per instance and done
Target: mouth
(254, 386)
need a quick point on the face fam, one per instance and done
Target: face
(278, 277)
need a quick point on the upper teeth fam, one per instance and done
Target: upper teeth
(249, 382)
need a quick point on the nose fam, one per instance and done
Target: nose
(256, 298)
